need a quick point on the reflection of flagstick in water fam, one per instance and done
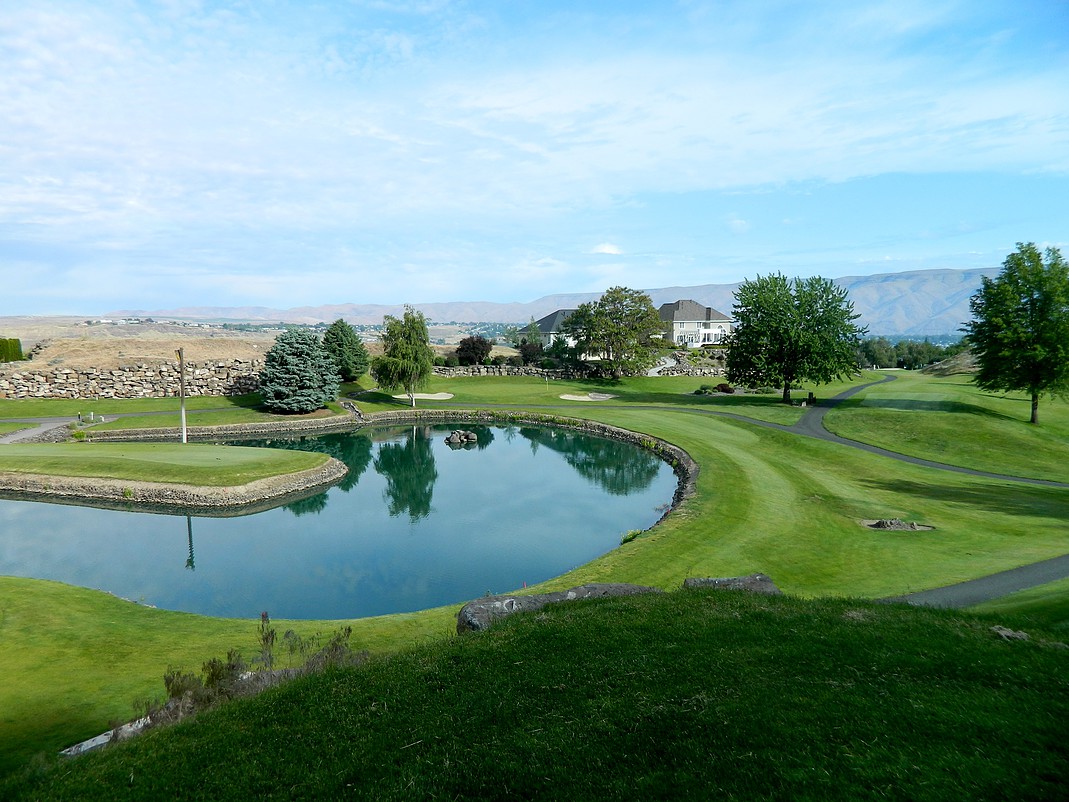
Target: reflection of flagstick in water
(189, 532)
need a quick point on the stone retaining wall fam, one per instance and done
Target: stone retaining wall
(233, 377)
(503, 370)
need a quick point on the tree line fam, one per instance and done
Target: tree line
(786, 332)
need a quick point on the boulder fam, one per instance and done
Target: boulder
(755, 583)
(480, 614)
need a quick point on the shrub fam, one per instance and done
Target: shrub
(474, 350)
(10, 350)
(499, 359)
(515, 361)
(725, 388)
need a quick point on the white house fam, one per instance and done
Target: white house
(549, 327)
(693, 325)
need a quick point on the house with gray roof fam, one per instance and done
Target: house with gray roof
(692, 325)
(550, 327)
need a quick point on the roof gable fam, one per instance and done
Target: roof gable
(690, 310)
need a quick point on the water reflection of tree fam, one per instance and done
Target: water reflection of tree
(620, 468)
(313, 505)
(410, 473)
(352, 448)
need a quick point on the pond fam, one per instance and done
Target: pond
(415, 524)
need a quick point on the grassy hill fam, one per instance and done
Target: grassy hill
(691, 694)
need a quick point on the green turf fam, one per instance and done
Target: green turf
(947, 419)
(1047, 605)
(71, 408)
(183, 463)
(86, 658)
(767, 501)
(531, 392)
(6, 428)
(689, 695)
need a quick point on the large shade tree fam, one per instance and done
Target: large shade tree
(350, 354)
(1020, 326)
(792, 331)
(407, 360)
(622, 327)
(298, 375)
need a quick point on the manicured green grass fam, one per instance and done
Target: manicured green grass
(1046, 605)
(689, 695)
(947, 419)
(210, 417)
(70, 408)
(767, 501)
(791, 507)
(6, 428)
(85, 658)
(674, 392)
(189, 463)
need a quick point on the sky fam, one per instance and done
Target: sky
(157, 155)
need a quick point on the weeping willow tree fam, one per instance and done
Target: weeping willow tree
(407, 359)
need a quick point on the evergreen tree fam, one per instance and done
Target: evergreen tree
(349, 353)
(1020, 326)
(407, 360)
(298, 376)
(788, 332)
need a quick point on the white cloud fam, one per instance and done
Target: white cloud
(737, 224)
(607, 248)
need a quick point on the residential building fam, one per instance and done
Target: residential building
(693, 325)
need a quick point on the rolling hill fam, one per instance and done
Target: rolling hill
(918, 302)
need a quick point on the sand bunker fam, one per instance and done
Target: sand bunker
(428, 396)
(588, 397)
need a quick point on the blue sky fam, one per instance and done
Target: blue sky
(155, 155)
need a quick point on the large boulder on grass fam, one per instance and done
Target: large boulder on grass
(755, 583)
(480, 614)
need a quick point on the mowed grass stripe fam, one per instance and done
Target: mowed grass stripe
(182, 463)
(948, 420)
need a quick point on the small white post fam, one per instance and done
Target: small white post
(180, 353)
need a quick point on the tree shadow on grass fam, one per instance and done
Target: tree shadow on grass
(1007, 498)
(676, 398)
(924, 405)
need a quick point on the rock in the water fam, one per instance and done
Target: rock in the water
(460, 437)
(480, 614)
(755, 583)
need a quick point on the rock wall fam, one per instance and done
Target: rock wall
(235, 377)
(503, 370)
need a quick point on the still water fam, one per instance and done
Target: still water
(416, 524)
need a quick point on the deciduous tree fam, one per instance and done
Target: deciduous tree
(298, 376)
(788, 332)
(473, 350)
(621, 327)
(407, 360)
(1020, 326)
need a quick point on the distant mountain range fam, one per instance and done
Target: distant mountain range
(918, 302)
